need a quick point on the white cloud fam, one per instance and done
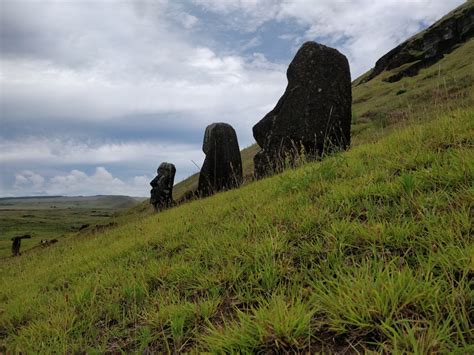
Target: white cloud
(192, 80)
(60, 153)
(362, 29)
(246, 15)
(365, 29)
(76, 182)
(112, 59)
(138, 161)
(188, 21)
(27, 179)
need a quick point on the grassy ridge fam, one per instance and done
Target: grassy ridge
(368, 249)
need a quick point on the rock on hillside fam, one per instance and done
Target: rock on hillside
(427, 47)
(222, 168)
(313, 114)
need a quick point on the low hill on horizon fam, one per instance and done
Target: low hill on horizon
(80, 199)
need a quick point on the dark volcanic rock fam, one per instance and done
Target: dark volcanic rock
(222, 168)
(162, 186)
(313, 114)
(428, 47)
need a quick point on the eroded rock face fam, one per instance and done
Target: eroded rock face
(314, 113)
(162, 186)
(222, 168)
(428, 47)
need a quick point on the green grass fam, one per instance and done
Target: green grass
(55, 217)
(370, 249)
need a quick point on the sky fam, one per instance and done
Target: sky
(95, 94)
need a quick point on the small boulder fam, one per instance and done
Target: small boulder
(222, 168)
(314, 113)
(162, 186)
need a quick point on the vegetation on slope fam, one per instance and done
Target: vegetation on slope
(368, 249)
(379, 105)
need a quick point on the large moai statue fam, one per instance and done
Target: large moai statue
(222, 168)
(162, 186)
(314, 113)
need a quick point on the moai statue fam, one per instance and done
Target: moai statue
(17, 243)
(162, 186)
(313, 115)
(222, 168)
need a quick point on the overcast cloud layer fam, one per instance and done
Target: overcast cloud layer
(94, 95)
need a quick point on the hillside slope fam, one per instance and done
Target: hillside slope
(368, 249)
(444, 80)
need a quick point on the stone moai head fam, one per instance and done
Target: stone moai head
(314, 114)
(161, 194)
(168, 171)
(222, 167)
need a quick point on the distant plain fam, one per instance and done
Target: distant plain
(55, 217)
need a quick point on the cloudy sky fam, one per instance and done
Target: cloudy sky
(95, 94)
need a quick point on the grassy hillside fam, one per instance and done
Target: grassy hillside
(54, 217)
(378, 105)
(368, 249)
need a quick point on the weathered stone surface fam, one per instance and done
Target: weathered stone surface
(428, 47)
(162, 186)
(314, 113)
(222, 168)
